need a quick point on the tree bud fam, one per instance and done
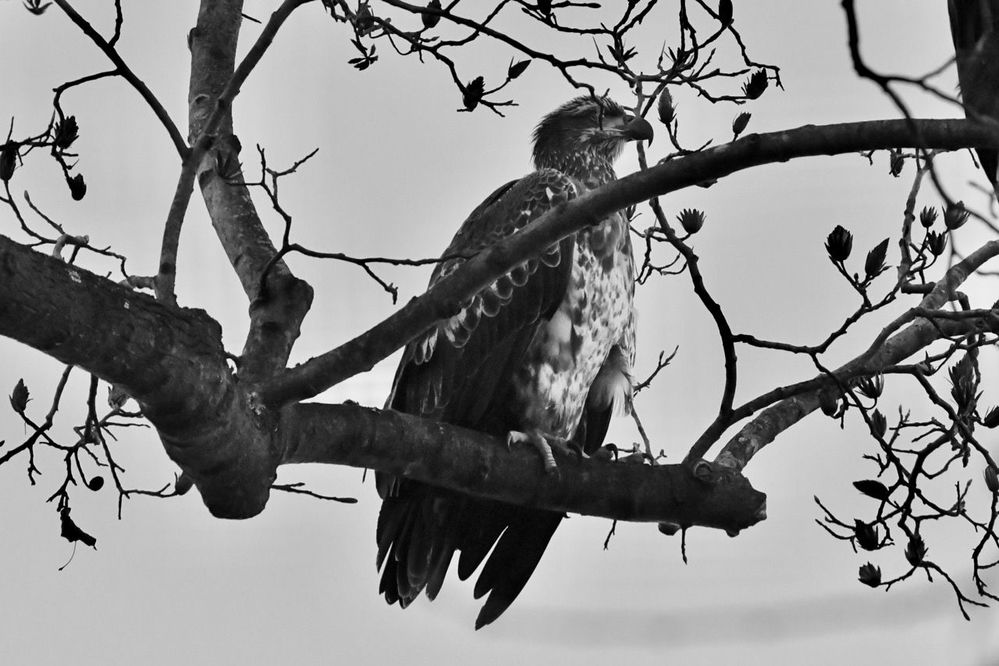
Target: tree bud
(839, 243)
(870, 575)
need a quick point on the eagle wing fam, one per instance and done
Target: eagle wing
(478, 347)
(461, 372)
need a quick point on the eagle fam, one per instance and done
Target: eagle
(542, 355)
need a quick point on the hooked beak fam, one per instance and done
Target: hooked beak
(637, 129)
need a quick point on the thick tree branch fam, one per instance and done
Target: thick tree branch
(169, 359)
(172, 362)
(363, 352)
(275, 317)
(479, 465)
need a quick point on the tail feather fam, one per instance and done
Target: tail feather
(423, 539)
(512, 562)
(420, 530)
(438, 570)
(479, 535)
(389, 525)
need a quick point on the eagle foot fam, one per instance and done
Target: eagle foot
(544, 445)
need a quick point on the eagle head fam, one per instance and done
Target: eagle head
(584, 128)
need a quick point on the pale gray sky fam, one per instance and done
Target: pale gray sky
(397, 171)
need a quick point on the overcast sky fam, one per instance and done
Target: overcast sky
(397, 171)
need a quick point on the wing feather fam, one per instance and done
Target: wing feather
(496, 325)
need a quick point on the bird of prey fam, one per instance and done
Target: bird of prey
(541, 355)
(974, 27)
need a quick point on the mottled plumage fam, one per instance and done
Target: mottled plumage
(544, 353)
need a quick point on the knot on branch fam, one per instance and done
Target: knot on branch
(230, 456)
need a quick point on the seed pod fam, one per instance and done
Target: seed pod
(879, 424)
(870, 575)
(66, 133)
(872, 386)
(666, 108)
(19, 397)
(517, 68)
(839, 243)
(8, 161)
(936, 243)
(756, 85)
(896, 162)
(992, 479)
(430, 19)
(955, 215)
(472, 93)
(873, 489)
(77, 188)
(964, 383)
(927, 216)
(691, 220)
(725, 12)
(874, 265)
(866, 535)
(915, 550)
(740, 122)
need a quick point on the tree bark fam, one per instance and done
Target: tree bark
(279, 303)
(171, 361)
(476, 464)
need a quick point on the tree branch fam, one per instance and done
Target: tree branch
(884, 352)
(361, 353)
(480, 465)
(275, 316)
(123, 70)
(172, 362)
(169, 359)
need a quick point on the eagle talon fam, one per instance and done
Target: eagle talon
(538, 441)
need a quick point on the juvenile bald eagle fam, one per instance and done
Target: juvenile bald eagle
(541, 355)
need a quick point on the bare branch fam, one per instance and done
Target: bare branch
(883, 353)
(443, 300)
(123, 70)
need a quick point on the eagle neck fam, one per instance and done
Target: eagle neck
(592, 169)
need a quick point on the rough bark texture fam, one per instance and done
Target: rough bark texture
(277, 313)
(172, 362)
(480, 465)
(169, 359)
